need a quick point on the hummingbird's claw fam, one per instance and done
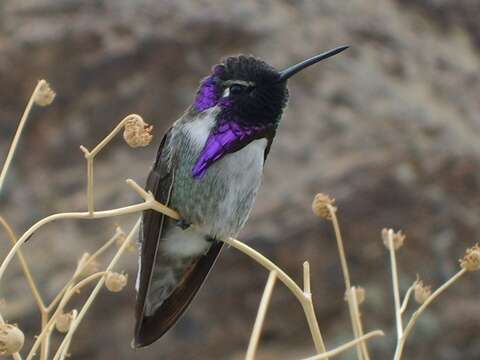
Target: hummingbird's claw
(182, 224)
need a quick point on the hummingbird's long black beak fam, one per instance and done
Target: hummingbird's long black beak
(292, 70)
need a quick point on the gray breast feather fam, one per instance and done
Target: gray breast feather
(220, 202)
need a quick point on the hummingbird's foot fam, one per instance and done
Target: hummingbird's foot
(211, 239)
(182, 224)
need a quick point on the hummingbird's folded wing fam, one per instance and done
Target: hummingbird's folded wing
(165, 285)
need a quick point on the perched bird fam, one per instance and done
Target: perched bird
(209, 167)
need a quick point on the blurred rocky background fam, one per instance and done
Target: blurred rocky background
(389, 128)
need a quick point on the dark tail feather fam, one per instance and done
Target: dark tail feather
(150, 328)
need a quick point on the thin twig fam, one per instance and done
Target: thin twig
(407, 297)
(421, 309)
(306, 278)
(396, 290)
(45, 344)
(341, 250)
(262, 310)
(67, 345)
(96, 290)
(358, 317)
(353, 320)
(82, 265)
(346, 346)
(18, 133)
(66, 298)
(362, 350)
(90, 157)
(31, 284)
(305, 301)
(152, 204)
(23, 262)
(357, 327)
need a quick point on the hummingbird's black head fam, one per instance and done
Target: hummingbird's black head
(249, 91)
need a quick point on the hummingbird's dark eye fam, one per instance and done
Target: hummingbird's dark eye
(237, 89)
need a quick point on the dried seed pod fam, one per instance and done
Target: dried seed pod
(421, 292)
(359, 294)
(471, 260)
(44, 95)
(115, 282)
(398, 238)
(137, 133)
(63, 321)
(320, 206)
(11, 339)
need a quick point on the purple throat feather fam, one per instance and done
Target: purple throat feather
(228, 137)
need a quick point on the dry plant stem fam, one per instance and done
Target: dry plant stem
(309, 310)
(357, 327)
(306, 278)
(407, 298)
(96, 290)
(262, 310)
(354, 323)
(362, 351)
(90, 156)
(72, 215)
(18, 134)
(32, 285)
(65, 353)
(421, 309)
(150, 203)
(396, 291)
(346, 346)
(304, 299)
(82, 264)
(24, 265)
(356, 310)
(69, 290)
(45, 343)
(68, 295)
(341, 250)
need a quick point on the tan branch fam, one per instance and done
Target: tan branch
(346, 346)
(23, 262)
(304, 299)
(341, 250)
(82, 265)
(46, 330)
(65, 353)
(96, 290)
(18, 133)
(362, 350)
(262, 310)
(90, 157)
(76, 215)
(411, 323)
(403, 308)
(396, 290)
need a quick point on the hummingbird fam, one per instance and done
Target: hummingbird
(208, 168)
